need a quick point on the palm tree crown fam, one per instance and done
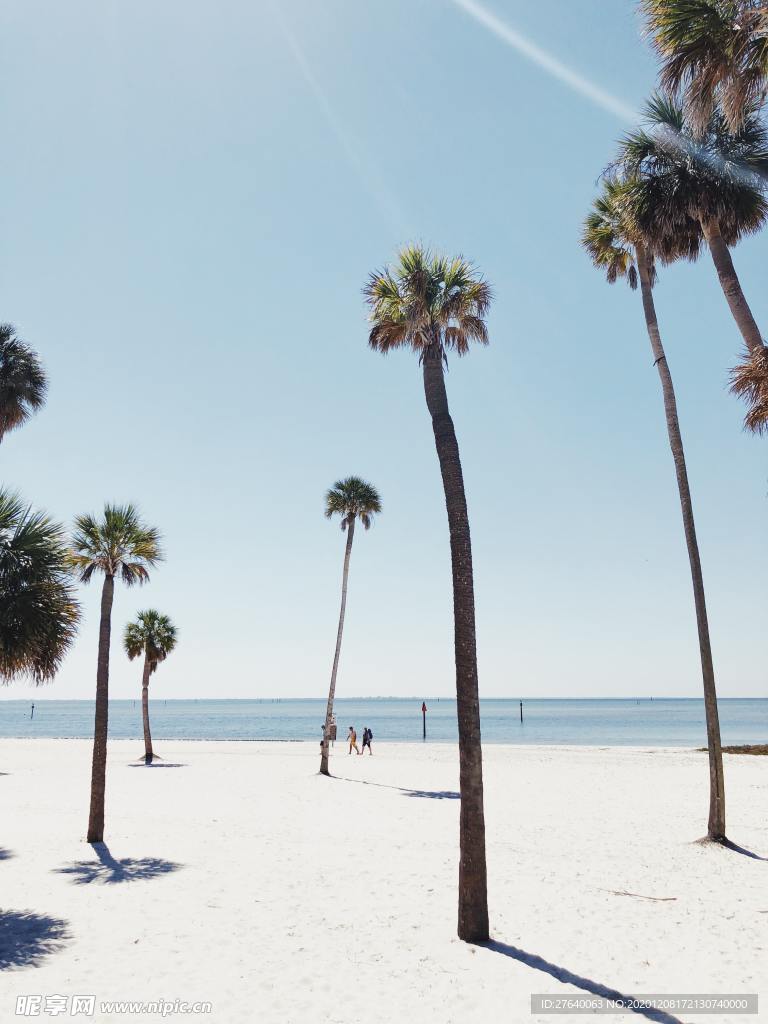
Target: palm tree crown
(720, 176)
(351, 499)
(612, 231)
(153, 635)
(714, 50)
(119, 544)
(607, 231)
(428, 303)
(23, 383)
(38, 610)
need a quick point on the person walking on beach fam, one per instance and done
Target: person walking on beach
(352, 738)
(367, 737)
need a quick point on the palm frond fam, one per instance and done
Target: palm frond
(749, 380)
(23, 382)
(39, 613)
(718, 175)
(426, 301)
(152, 635)
(352, 498)
(117, 544)
(714, 52)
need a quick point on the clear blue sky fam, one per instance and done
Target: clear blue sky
(193, 196)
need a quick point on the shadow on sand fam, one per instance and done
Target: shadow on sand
(157, 764)
(433, 794)
(726, 844)
(426, 794)
(27, 938)
(6, 854)
(562, 974)
(107, 870)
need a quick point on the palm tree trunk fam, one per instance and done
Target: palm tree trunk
(148, 753)
(332, 690)
(100, 727)
(716, 825)
(729, 282)
(473, 896)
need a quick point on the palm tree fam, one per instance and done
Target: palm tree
(718, 180)
(154, 636)
(352, 499)
(23, 384)
(116, 545)
(433, 306)
(38, 610)
(616, 245)
(715, 51)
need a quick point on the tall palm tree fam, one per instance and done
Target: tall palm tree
(616, 245)
(715, 51)
(352, 499)
(38, 610)
(718, 180)
(116, 545)
(23, 383)
(154, 636)
(433, 306)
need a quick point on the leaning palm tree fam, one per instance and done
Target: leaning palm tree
(714, 51)
(117, 545)
(718, 180)
(154, 636)
(352, 499)
(616, 245)
(23, 384)
(433, 306)
(38, 610)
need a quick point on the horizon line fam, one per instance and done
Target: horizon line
(416, 699)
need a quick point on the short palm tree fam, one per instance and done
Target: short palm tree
(117, 545)
(154, 636)
(23, 383)
(616, 245)
(353, 499)
(434, 306)
(38, 610)
(718, 180)
(715, 51)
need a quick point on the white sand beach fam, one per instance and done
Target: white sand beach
(236, 875)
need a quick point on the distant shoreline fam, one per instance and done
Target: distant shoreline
(34, 699)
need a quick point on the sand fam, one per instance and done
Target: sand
(235, 875)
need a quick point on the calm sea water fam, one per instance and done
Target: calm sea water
(581, 722)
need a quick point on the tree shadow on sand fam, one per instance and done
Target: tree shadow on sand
(27, 938)
(433, 794)
(157, 764)
(426, 794)
(562, 974)
(742, 850)
(107, 869)
(726, 844)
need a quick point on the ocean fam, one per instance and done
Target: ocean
(658, 723)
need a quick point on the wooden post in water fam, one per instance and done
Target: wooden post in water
(33, 712)
(424, 719)
(521, 711)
